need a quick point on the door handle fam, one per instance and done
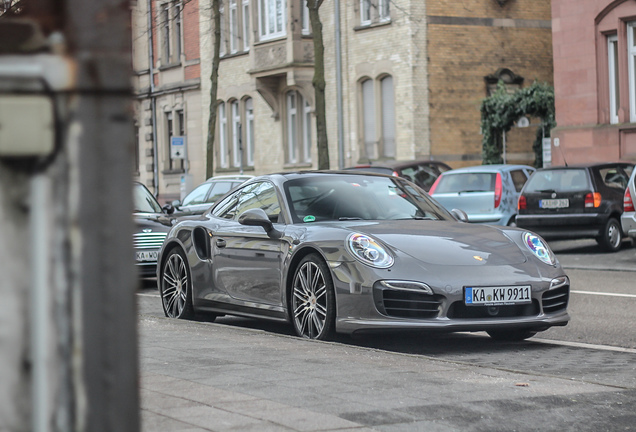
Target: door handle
(221, 243)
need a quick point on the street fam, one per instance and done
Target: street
(243, 374)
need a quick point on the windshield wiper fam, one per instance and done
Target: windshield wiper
(547, 191)
(473, 190)
(347, 218)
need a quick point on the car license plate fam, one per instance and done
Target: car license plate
(495, 296)
(146, 255)
(554, 203)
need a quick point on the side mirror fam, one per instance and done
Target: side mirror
(168, 209)
(258, 217)
(460, 215)
(176, 203)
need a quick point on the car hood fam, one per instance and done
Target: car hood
(446, 243)
(156, 222)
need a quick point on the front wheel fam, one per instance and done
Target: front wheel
(511, 335)
(175, 287)
(313, 300)
(612, 236)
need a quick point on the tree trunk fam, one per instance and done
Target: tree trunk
(214, 79)
(319, 84)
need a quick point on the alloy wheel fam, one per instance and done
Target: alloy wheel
(174, 292)
(309, 301)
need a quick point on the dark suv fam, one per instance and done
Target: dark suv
(572, 202)
(421, 172)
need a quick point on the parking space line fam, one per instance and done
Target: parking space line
(604, 294)
(584, 345)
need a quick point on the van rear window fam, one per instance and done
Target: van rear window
(466, 182)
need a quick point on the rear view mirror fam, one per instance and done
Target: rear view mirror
(460, 215)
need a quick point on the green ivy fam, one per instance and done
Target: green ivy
(501, 110)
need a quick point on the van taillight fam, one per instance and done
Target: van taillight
(628, 203)
(592, 200)
(498, 190)
(431, 191)
(522, 204)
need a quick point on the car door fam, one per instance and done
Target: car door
(247, 262)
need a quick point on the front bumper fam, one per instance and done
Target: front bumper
(565, 226)
(364, 304)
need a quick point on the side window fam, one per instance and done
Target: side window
(197, 196)
(519, 179)
(218, 190)
(614, 178)
(257, 195)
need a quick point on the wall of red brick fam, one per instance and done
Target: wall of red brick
(191, 31)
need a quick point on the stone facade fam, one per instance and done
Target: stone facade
(595, 88)
(413, 76)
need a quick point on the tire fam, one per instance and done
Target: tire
(512, 222)
(612, 236)
(511, 335)
(313, 303)
(175, 287)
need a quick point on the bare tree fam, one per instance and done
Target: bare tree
(214, 80)
(319, 83)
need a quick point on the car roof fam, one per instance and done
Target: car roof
(586, 165)
(405, 163)
(489, 168)
(229, 178)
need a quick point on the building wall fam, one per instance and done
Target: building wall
(581, 81)
(468, 41)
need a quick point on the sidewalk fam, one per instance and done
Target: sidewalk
(213, 377)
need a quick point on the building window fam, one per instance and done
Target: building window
(387, 106)
(236, 134)
(234, 27)
(246, 25)
(298, 128)
(249, 130)
(222, 49)
(271, 14)
(170, 25)
(378, 119)
(223, 147)
(175, 126)
(374, 11)
(631, 51)
(612, 63)
(304, 18)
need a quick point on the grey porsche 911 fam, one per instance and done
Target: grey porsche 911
(351, 252)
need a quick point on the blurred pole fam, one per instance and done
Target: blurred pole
(341, 152)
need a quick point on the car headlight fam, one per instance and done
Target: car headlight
(369, 251)
(539, 248)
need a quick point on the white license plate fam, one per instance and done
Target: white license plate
(554, 203)
(495, 296)
(146, 255)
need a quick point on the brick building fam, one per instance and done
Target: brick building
(414, 74)
(594, 80)
(167, 85)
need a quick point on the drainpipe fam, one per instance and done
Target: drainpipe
(153, 102)
(341, 154)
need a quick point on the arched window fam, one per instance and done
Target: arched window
(223, 147)
(249, 131)
(236, 134)
(378, 117)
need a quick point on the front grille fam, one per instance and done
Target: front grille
(556, 299)
(459, 310)
(152, 240)
(408, 304)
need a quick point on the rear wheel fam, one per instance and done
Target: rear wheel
(313, 300)
(612, 236)
(511, 335)
(175, 287)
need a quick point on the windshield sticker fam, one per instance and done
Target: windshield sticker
(309, 218)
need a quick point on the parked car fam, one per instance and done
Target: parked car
(628, 218)
(152, 223)
(206, 194)
(574, 202)
(421, 172)
(348, 251)
(487, 193)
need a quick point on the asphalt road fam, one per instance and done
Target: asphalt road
(244, 374)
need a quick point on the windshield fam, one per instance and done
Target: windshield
(353, 197)
(143, 201)
(562, 180)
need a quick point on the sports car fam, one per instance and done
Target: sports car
(350, 252)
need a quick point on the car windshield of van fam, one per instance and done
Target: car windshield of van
(561, 180)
